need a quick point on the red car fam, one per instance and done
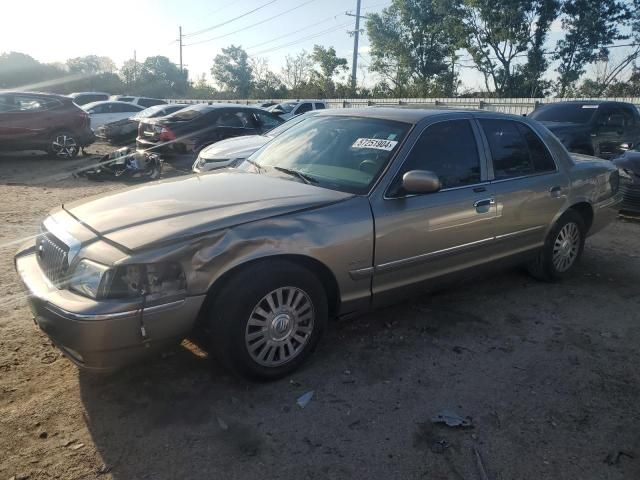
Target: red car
(40, 121)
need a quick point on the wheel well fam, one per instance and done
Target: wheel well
(323, 273)
(586, 212)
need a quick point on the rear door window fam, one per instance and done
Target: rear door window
(304, 108)
(449, 150)
(516, 150)
(267, 121)
(150, 102)
(320, 106)
(235, 120)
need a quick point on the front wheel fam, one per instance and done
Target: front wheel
(267, 319)
(63, 145)
(562, 248)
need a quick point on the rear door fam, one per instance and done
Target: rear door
(304, 107)
(528, 186)
(267, 121)
(235, 123)
(24, 120)
(419, 237)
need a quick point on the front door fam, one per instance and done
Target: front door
(419, 237)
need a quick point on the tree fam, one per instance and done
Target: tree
(413, 40)
(297, 71)
(20, 70)
(496, 34)
(130, 72)
(91, 65)
(231, 70)
(329, 65)
(591, 25)
(160, 77)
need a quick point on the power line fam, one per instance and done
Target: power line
(324, 32)
(230, 20)
(306, 27)
(250, 26)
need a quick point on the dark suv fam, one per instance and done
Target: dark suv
(600, 128)
(197, 126)
(39, 121)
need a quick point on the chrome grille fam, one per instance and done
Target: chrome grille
(631, 197)
(52, 257)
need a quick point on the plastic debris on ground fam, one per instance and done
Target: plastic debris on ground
(304, 400)
(452, 419)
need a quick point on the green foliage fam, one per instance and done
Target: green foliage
(329, 65)
(412, 45)
(232, 70)
(591, 25)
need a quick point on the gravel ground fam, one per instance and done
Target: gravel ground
(548, 374)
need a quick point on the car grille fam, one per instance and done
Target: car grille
(630, 197)
(52, 257)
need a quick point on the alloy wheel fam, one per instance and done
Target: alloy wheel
(64, 146)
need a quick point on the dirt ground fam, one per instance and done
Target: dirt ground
(548, 374)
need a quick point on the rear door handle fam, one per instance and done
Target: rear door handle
(484, 203)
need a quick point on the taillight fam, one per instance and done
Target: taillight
(166, 135)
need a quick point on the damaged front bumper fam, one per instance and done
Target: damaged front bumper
(102, 335)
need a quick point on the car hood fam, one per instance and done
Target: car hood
(564, 126)
(173, 210)
(238, 147)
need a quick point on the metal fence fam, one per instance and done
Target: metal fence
(517, 106)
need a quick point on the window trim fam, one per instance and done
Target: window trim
(484, 173)
(490, 172)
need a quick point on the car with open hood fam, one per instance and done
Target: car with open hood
(346, 211)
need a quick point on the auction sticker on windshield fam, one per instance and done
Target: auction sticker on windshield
(376, 143)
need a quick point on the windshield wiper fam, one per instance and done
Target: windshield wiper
(259, 167)
(294, 173)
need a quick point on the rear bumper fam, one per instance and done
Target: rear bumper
(605, 212)
(107, 339)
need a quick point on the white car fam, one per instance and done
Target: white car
(225, 152)
(287, 110)
(142, 101)
(108, 111)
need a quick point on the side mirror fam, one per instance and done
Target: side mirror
(420, 181)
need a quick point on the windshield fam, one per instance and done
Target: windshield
(149, 112)
(337, 152)
(285, 107)
(189, 113)
(565, 112)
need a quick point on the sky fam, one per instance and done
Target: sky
(55, 30)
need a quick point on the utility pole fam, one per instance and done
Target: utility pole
(180, 40)
(356, 39)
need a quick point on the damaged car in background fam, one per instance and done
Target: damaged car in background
(346, 211)
(125, 130)
(629, 167)
(195, 127)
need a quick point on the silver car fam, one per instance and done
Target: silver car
(226, 152)
(346, 211)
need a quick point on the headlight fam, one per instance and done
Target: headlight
(626, 174)
(153, 281)
(87, 277)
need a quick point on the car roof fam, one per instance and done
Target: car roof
(40, 94)
(76, 94)
(407, 115)
(586, 102)
(102, 102)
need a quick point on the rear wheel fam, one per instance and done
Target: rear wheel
(63, 145)
(562, 249)
(267, 319)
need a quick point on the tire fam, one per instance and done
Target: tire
(63, 145)
(562, 248)
(281, 329)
